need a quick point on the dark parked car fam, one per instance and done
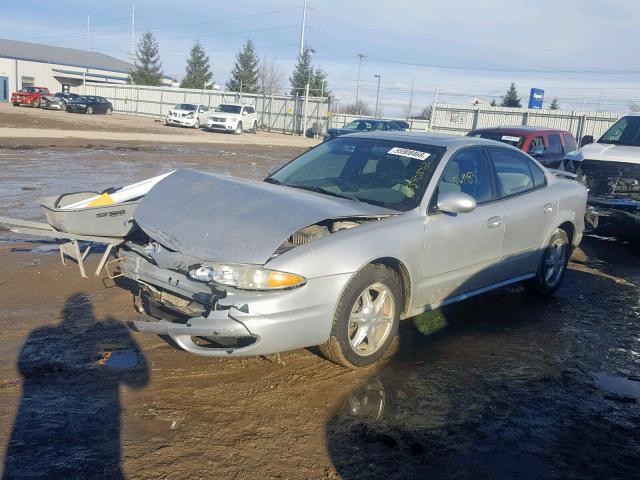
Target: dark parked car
(90, 104)
(547, 145)
(366, 125)
(58, 101)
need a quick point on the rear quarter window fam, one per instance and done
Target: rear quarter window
(569, 143)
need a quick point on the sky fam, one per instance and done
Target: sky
(580, 51)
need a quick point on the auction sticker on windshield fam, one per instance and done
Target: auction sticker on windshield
(406, 152)
(509, 138)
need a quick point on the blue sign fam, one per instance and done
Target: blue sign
(536, 97)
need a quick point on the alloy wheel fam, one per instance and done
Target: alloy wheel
(555, 262)
(371, 319)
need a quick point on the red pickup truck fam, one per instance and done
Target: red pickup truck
(31, 96)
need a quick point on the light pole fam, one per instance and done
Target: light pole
(377, 95)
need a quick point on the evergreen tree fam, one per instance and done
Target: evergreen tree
(198, 72)
(494, 103)
(147, 67)
(304, 72)
(245, 73)
(511, 99)
(301, 73)
(554, 105)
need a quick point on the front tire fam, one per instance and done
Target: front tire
(238, 129)
(552, 267)
(197, 124)
(109, 111)
(254, 129)
(366, 318)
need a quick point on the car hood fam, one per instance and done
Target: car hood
(224, 115)
(174, 110)
(217, 218)
(610, 153)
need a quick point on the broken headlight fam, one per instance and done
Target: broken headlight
(246, 277)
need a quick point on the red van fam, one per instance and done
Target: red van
(547, 145)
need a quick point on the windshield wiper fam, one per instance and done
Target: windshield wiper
(321, 190)
(272, 180)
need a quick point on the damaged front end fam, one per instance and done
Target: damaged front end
(222, 309)
(614, 195)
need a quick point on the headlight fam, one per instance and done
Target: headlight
(246, 277)
(191, 115)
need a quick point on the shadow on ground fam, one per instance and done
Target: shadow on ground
(68, 421)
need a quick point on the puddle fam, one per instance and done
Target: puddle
(120, 359)
(619, 388)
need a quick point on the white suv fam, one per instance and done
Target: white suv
(187, 115)
(233, 117)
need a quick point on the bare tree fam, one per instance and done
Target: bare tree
(425, 114)
(272, 77)
(634, 107)
(359, 108)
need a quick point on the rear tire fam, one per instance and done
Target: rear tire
(368, 307)
(89, 110)
(552, 267)
(238, 129)
(254, 129)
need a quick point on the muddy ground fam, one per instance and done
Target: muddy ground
(504, 386)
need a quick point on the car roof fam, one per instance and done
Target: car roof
(519, 129)
(237, 104)
(435, 139)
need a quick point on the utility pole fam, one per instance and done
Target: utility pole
(433, 108)
(411, 99)
(133, 34)
(88, 34)
(375, 115)
(360, 57)
(599, 100)
(304, 21)
(86, 69)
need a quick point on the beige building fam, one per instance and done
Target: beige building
(24, 64)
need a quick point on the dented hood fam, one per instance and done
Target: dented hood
(218, 218)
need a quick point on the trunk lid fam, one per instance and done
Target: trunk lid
(217, 218)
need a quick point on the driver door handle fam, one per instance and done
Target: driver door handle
(494, 222)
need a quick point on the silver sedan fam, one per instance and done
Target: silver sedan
(337, 246)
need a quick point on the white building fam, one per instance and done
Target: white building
(24, 64)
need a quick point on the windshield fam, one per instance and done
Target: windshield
(30, 90)
(510, 139)
(387, 173)
(360, 125)
(228, 108)
(625, 131)
(186, 106)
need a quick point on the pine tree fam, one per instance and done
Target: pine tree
(511, 99)
(147, 66)
(554, 105)
(245, 73)
(198, 72)
(494, 103)
(304, 72)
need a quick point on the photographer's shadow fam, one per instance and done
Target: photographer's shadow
(68, 422)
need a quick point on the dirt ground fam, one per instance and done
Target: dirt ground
(504, 386)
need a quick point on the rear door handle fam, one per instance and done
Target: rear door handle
(548, 208)
(494, 222)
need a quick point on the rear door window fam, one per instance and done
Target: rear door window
(555, 146)
(569, 143)
(512, 171)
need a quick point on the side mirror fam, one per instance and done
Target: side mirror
(273, 169)
(245, 113)
(455, 202)
(586, 140)
(538, 151)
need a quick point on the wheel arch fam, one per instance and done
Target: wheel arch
(403, 275)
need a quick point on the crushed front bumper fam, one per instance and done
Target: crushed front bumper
(184, 122)
(235, 322)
